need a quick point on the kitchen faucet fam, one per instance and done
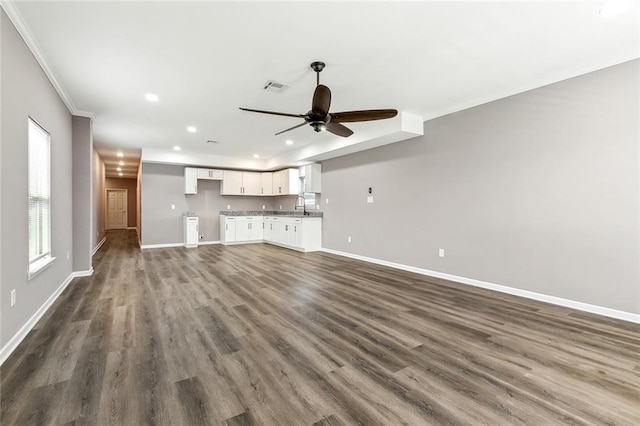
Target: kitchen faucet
(304, 205)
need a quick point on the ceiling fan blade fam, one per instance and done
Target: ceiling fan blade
(284, 114)
(321, 100)
(338, 129)
(364, 115)
(291, 128)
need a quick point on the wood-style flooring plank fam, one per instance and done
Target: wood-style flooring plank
(261, 335)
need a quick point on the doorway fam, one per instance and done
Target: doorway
(117, 209)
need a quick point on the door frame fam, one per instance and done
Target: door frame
(106, 207)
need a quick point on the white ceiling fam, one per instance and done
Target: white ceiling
(206, 59)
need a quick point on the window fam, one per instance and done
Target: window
(39, 198)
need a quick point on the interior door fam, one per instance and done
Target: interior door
(116, 209)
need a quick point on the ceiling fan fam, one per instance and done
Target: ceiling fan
(319, 116)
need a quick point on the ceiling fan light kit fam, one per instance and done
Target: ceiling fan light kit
(319, 117)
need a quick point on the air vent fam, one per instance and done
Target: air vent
(274, 86)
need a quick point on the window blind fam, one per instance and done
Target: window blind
(39, 193)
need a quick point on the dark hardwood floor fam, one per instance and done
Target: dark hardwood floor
(257, 334)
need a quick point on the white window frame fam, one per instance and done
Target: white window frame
(42, 258)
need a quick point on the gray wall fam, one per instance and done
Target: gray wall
(82, 192)
(163, 185)
(139, 203)
(26, 92)
(538, 191)
(99, 200)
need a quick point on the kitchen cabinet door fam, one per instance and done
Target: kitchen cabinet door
(228, 229)
(243, 229)
(190, 180)
(255, 230)
(267, 225)
(251, 183)
(231, 183)
(266, 180)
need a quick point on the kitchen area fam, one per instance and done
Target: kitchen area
(280, 207)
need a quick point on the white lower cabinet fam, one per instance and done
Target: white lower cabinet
(298, 233)
(227, 229)
(241, 229)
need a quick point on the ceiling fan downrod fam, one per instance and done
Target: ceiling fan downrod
(317, 66)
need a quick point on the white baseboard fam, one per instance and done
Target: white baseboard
(96, 248)
(88, 273)
(167, 245)
(600, 310)
(13, 343)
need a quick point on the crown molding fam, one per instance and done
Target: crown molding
(9, 6)
(86, 114)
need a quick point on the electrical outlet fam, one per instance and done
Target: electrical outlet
(348, 239)
(369, 200)
(13, 297)
(441, 252)
(326, 201)
(280, 206)
(173, 206)
(264, 207)
(228, 206)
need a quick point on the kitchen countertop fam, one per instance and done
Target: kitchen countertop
(290, 213)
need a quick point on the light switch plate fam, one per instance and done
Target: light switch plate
(369, 200)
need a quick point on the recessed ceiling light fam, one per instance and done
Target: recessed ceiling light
(120, 154)
(119, 169)
(289, 142)
(176, 148)
(121, 163)
(191, 129)
(256, 156)
(151, 97)
(120, 174)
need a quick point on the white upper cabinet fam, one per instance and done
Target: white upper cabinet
(231, 183)
(241, 183)
(190, 180)
(266, 183)
(234, 182)
(192, 174)
(286, 182)
(251, 183)
(311, 177)
(211, 174)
